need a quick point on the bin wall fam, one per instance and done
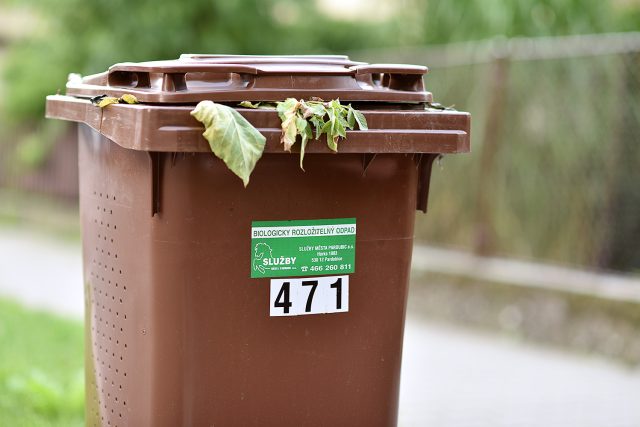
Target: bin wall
(201, 347)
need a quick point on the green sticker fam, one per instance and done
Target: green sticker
(303, 248)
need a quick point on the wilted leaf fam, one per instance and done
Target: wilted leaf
(107, 100)
(289, 127)
(289, 104)
(304, 129)
(310, 110)
(231, 137)
(127, 98)
(258, 105)
(330, 118)
(249, 104)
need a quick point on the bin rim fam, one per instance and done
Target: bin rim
(171, 128)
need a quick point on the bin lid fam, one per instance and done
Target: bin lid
(234, 78)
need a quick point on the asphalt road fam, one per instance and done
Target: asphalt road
(450, 378)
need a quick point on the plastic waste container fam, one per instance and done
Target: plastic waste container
(278, 304)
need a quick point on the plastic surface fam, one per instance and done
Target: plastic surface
(178, 334)
(232, 78)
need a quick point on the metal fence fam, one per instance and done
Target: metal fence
(555, 168)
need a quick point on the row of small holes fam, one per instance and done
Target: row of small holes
(101, 302)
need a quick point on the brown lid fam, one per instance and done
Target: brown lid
(233, 78)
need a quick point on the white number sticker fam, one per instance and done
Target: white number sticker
(295, 297)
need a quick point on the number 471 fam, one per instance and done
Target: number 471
(293, 297)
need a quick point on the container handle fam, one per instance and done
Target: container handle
(137, 75)
(393, 76)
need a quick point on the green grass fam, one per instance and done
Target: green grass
(41, 369)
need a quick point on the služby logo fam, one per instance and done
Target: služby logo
(264, 260)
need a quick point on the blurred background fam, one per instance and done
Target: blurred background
(525, 301)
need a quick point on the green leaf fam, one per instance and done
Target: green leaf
(305, 133)
(258, 105)
(332, 142)
(286, 105)
(312, 109)
(351, 118)
(318, 123)
(231, 137)
(362, 122)
(339, 129)
(249, 104)
(301, 126)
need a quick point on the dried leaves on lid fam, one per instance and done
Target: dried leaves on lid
(104, 100)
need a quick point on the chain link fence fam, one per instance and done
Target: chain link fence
(555, 169)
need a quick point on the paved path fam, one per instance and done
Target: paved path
(451, 378)
(42, 272)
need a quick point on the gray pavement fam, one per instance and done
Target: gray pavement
(450, 377)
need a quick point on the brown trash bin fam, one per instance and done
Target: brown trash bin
(189, 320)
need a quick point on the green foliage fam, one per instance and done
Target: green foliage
(41, 369)
(300, 117)
(444, 21)
(88, 36)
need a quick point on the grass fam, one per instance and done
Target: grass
(41, 369)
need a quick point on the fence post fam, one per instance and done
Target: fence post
(619, 248)
(485, 238)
